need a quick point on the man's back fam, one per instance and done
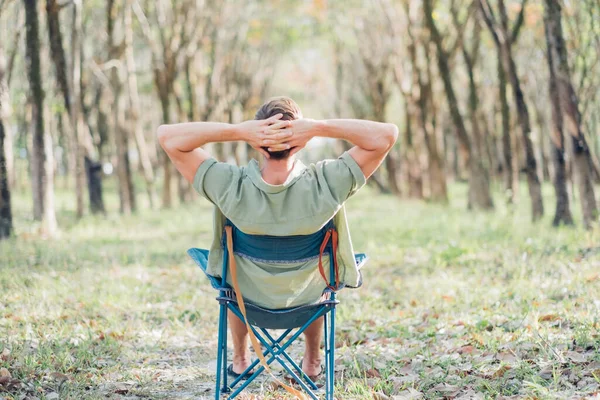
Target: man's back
(309, 198)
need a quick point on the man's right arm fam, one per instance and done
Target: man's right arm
(372, 140)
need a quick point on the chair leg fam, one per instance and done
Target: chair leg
(326, 343)
(222, 319)
(331, 363)
(225, 388)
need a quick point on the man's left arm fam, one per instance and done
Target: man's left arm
(183, 142)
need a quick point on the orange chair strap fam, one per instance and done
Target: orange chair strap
(333, 235)
(242, 305)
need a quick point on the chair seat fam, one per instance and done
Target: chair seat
(287, 318)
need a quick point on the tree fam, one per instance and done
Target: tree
(5, 208)
(420, 109)
(375, 54)
(135, 125)
(42, 173)
(566, 97)
(177, 27)
(503, 38)
(562, 213)
(70, 90)
(479, 189)
(121, 133)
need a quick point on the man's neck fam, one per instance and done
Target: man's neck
(276, 172)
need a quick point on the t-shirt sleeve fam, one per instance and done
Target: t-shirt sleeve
(344, 177)
(215, 180)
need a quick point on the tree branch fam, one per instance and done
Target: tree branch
(490, 20)
(518, 23)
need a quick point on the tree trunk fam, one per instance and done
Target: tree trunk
(533, 181)
(5, 209)
(49, 225)
(68, 89)
(94, 179)
(511, 177)
(419, 101)
(77, 123)
(6, 227)
(570, 111)
(562, 213)
(479, 194)
(134, 108)
(411, 161)
(6, 112)
(120, 131)
(167, 197)
(36, 98)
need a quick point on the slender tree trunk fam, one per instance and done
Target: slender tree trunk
(167, 197)
(5, 209)
(481, 196)
(134, 107)
(49, 225)
(77, 122)
(511, 177)
(120, 131)
(411, 161)
(562, 213)
(36, 98)
(391, 162)
(570, 111)
(67, 90)
(533, 181)
(6, 227)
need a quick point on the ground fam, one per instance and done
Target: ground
(455, 304)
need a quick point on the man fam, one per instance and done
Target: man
(281, 199)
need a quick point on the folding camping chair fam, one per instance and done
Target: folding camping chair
(276, 249)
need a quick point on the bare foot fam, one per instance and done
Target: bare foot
(311, 366)
(240, 363)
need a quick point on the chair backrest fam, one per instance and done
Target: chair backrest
(278, 249)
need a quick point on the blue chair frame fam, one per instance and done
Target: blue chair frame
(274, 249)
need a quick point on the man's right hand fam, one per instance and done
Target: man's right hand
(303, 130)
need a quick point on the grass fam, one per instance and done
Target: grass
(455, 303)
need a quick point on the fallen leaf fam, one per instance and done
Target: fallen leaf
(546, 373)
(408, 394)
(548, 318)
(466, 349)
(445, 388)
(501, 371)
(506, 356)
(576, 357)
(4, 373)
(373, 373)
(57, 376)
(380, 396)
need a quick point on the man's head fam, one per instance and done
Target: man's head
(279, 105)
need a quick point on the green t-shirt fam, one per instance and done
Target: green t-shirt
(309, 198)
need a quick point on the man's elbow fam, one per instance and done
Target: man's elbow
(162, 135)
(390, 136)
